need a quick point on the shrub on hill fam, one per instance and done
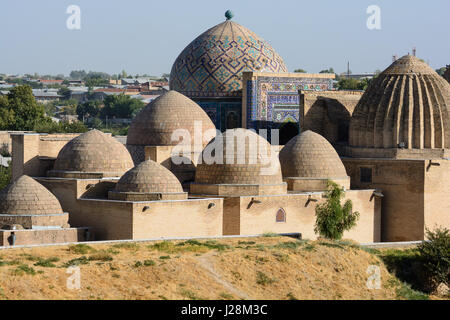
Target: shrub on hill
(435, 256)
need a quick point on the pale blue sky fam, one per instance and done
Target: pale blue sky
(146, 36)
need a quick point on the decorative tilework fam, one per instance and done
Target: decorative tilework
(212, 64)
(275, 100)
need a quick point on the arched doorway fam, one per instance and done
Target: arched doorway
(288, 130)
(232, 120)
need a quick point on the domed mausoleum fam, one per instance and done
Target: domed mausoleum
(407, 107)
(146, 182)
(156, 123)
(249, 168)
(212, 64)
(241, 81)
(31, 214)
(25, 196)
(308, 161)
(93, 154)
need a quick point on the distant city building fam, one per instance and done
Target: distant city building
(46, 95)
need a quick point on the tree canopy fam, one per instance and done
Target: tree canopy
(19, 109)
(121, 106)
(353, 84)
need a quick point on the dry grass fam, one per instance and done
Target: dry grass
(257, 268)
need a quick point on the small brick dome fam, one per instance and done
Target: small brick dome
(154, 125)
(93, 152)
(242, 165)
(26, 196)
(149, 177)
(309, 155)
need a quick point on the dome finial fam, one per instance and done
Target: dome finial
(229, 14)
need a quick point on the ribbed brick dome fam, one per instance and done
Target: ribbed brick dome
(154, 125)
(26, 196)
(149, 177)
(407, 104)
(309, 155)
(93, 152)
(243, 164)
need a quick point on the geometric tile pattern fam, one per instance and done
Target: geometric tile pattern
(212, 64)
(275, 99)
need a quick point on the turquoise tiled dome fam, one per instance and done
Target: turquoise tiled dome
(212, 64)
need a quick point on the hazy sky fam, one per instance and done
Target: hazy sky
(146, 36)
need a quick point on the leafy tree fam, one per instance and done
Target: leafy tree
(353, 84)
(330, 70)
(300, 71)
(88, 109)
(441, 71)
(96, 82)
(49, 126)
(435, 256)
(121, 106)
(65, 93)
(332, 219)
(77, 75)
(19, 110)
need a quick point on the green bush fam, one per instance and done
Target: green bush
(435, 256)
(332, 219)
(48, 126)
(5, 175)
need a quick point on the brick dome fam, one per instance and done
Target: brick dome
(407, 105)
(154, 125)
(245, 161)
(26, 196)
(148, 178)
(92, 154)
(309, 155)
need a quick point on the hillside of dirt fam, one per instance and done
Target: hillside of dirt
(237, 268)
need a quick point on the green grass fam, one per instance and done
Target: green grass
(127, 245)
(188, 246)
(81, 248)
(148, 263)
(263, 279)
(247, 242)
(226, 296)
(24, 269)
(48, 263)
(290, 296)
(101, 256)
(281, 257)
(189, 294)
(292, 245)
(76, 262)
(404, 291)
(269, 234)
